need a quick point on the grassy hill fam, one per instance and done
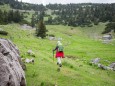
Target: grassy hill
(78, 45)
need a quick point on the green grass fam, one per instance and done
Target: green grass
(95, 31)
(75, 71)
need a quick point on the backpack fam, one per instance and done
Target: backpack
(60, 48)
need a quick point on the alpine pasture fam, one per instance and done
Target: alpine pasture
(80, 47)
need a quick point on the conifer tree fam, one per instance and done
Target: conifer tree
(5, 17)
(17, 16)
(50, 20)
(32, 21)
(41, 28)
(10, 16)
(1, 16)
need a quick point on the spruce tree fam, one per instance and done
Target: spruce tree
(5, 17)
(16, 16)
(10, 16)
(1, 17)
(33, 21)
(41, 30)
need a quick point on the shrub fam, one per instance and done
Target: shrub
(3, 33)
(52, 35)
(90, 25)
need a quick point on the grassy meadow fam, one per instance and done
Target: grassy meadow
(81, 44)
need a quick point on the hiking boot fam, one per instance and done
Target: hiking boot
(60, 65)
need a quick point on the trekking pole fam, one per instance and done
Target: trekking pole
(53, 55)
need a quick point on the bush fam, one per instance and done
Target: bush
(96, 23)
(51, 35)
(24, 22)
(109, 27)
(3, 33)
(90, 25)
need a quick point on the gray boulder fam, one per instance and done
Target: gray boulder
(11, 72)
(95, 61)
(31, 53)
(112, 66)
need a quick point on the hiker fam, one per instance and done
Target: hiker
(59, 53)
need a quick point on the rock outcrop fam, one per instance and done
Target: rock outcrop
(112, 65)
(99, 65)
(11, 72)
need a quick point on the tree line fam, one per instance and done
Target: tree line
(10, 16)
(15, 4)
(84, 14)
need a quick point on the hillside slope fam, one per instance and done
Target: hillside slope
(75, 71)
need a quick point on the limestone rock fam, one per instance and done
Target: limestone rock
(31, 53)
(11, 72)
(95, 61)
(112, 65)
